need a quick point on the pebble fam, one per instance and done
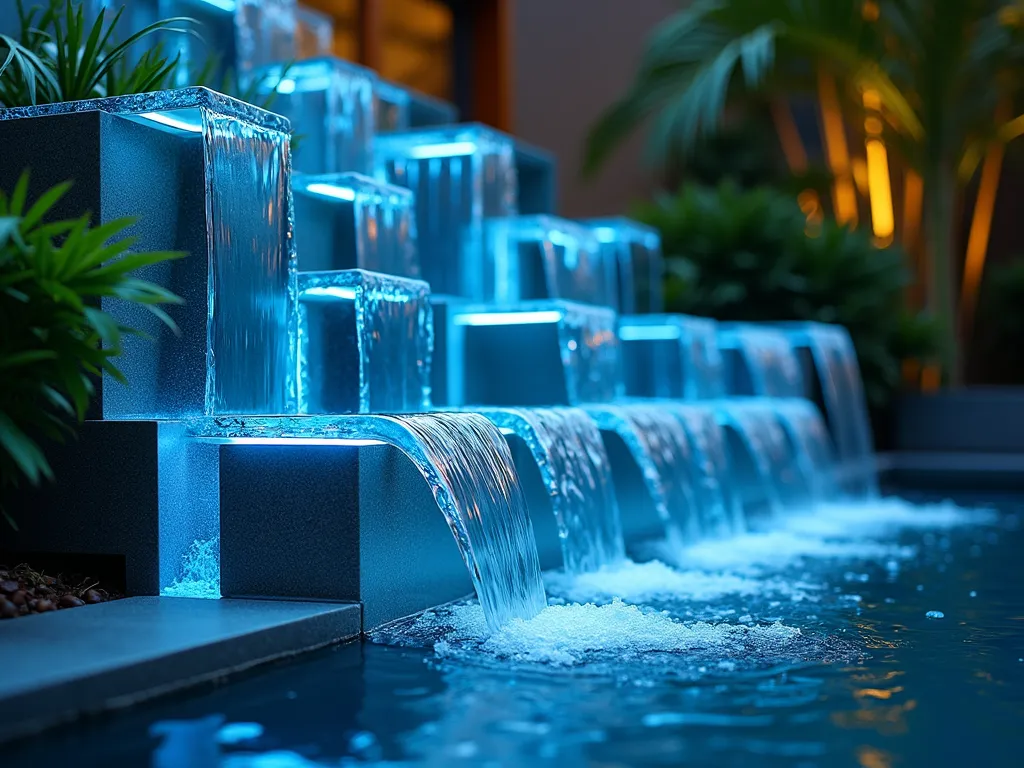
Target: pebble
(92, 596)
(70, 601)
(8, 587)
(8, 610)
(20, 597)
(44, 605)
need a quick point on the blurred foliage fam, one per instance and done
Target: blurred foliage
(749, 255)
(54, 335)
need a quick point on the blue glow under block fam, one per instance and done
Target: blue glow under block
(759, 360)
(365, 343)
(671, 356)
(539, 353)
(462, 176)
(632, 253)
(400, 108)
(206, 175)
(350, 221)
(314, 33)
(543, 257)
(330, 105)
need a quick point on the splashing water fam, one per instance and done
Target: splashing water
(570, 635)
(200, 572)
(468, 466)
(656, 581)
(658, 443)
(567, 446)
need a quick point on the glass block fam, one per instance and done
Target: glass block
(543, 257)
(314, 33)
(671, 356)
(632, 253)
(207, 175)
(462, 176)
(330, 105)
(400, 108)
(350, 221)
(759, 360)
(240, 34)
(539, 353)
(365, 343)
(538, 179)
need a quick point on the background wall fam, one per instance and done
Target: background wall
(572, 59)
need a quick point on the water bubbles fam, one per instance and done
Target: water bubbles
(935, 615)
(236, 733)
(973, 593)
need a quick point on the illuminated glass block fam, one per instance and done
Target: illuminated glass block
(239, 34)
(632, 253)
(314, 33)
(399, 108)
(539, 353)
(759, 360)
(671, 356)
(365, 342)
(543, 257)
(462, 176)
(330, 105)
(538, 179)
(206, 175)
(350, 221)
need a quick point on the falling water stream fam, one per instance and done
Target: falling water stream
(659, 444)
(466, 461)
(573, 462)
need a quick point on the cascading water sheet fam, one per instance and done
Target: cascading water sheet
(573, 462)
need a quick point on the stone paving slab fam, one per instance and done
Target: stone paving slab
(60, 665)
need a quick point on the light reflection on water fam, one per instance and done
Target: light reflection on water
(872, 682)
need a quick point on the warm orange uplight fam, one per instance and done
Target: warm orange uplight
(981, 228)
(882, 219)
(844, 193)
(931, 378)
(789, 137)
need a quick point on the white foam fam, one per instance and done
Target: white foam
(750, 553)
(644, 582)
(882, 517)
(566, 635)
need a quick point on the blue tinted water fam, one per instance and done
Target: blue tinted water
(827, 659)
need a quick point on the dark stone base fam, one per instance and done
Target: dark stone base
(971, 420)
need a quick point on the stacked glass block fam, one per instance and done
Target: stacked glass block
(522, 304)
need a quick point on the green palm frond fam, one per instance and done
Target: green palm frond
(54, 334)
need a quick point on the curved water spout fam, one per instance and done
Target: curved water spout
(659, 445)
(762, 456)
(719, 506)
(814, 451)
(573, 462)
(468, 466)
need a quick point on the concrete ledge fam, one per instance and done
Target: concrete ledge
(85, 660)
